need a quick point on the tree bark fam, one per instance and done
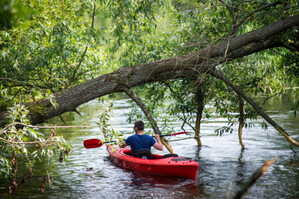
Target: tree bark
(241, 120)
(200, 94)
(202, 61)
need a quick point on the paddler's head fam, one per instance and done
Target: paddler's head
(138, 126)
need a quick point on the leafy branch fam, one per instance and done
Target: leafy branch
(20, 142)
(105, 126)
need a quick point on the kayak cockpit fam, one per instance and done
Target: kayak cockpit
(128, 151)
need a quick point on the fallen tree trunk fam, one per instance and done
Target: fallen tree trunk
(202, 61)
(177, 67)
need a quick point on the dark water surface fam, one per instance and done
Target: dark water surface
(224, 167)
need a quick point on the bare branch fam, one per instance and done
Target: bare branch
(68, 63)
(235, 28)
(46, 142)
(93, 14)
(241, 120)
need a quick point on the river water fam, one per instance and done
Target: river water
(224, 167)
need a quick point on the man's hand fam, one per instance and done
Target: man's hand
(158, 145)
(122, 144)
(157, 137)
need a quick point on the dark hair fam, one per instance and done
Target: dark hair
(139, 125)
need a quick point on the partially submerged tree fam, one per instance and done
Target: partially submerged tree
(193, 50)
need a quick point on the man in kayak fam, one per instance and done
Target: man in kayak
(140, 140)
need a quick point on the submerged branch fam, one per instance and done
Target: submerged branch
(258, 173)
(200, 98)
(255, 106)
(241, 120)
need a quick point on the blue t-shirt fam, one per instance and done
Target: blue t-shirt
(138, 142)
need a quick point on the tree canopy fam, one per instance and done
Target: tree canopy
(49, 47)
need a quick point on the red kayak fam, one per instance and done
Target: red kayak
(169, 166)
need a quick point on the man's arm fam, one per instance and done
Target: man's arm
(158, 145)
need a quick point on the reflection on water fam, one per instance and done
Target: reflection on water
(224, 167)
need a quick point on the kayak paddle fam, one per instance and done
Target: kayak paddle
(95, 143)
(174, 134)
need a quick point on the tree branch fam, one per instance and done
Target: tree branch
(231, 13)
(254, 105)
(44, 143)
(236, 27)
(20, 124)
(241, 120)
(84, 53)
(149, 116)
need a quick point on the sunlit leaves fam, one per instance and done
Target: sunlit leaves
(18, 113)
